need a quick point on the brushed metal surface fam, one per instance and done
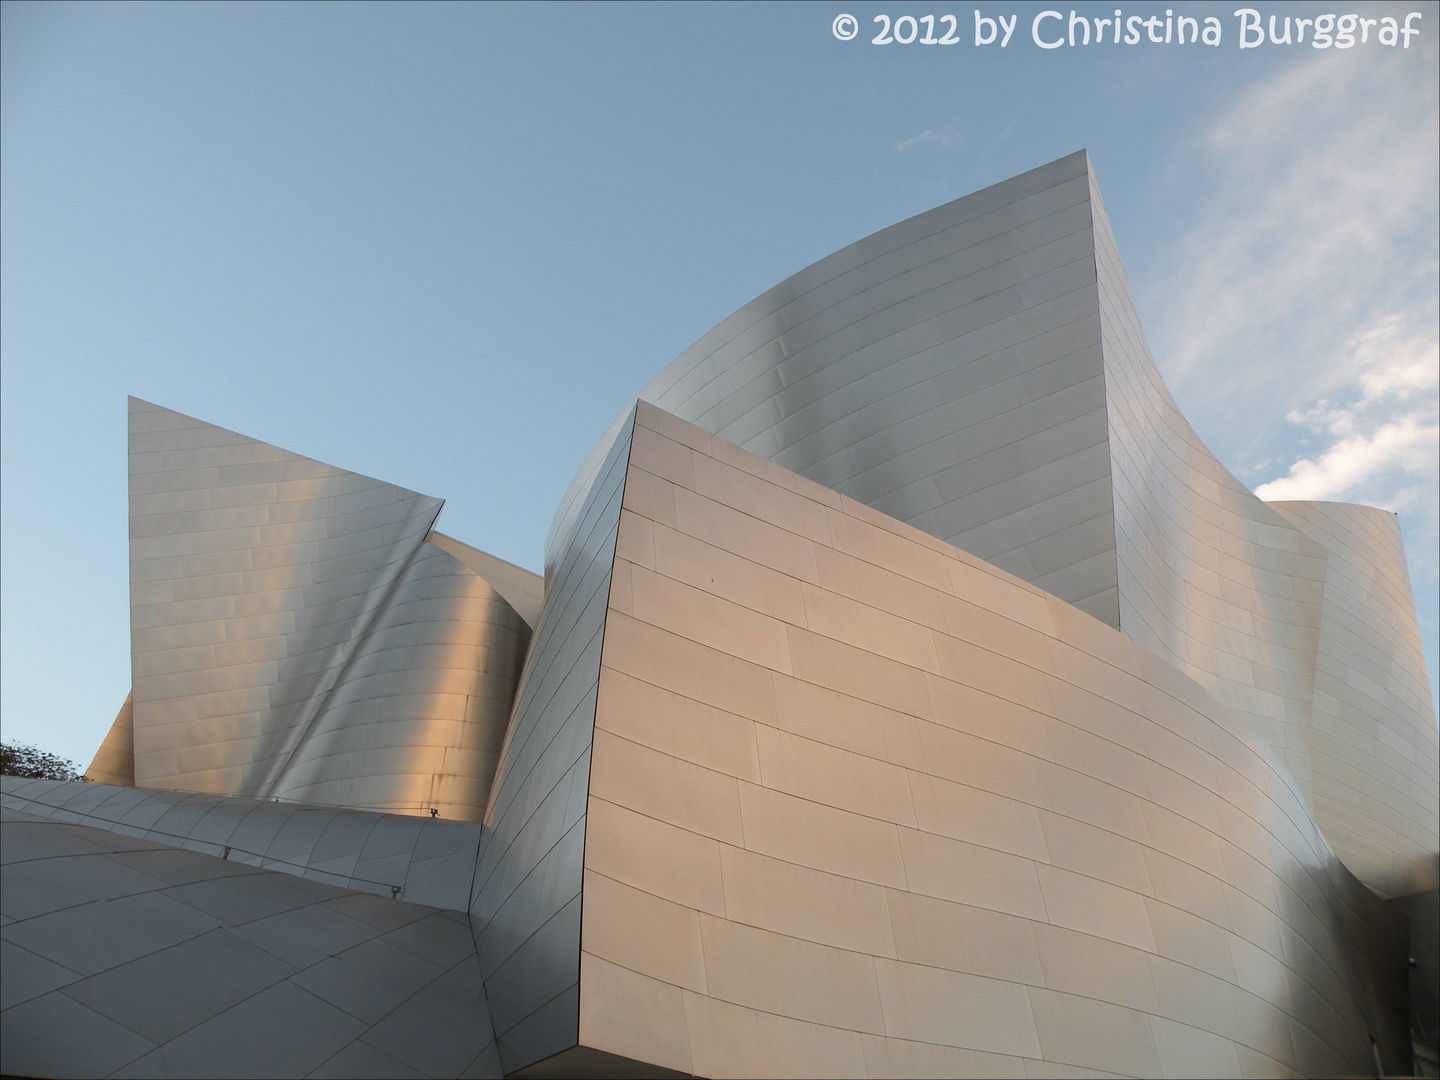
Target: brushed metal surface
(526, 902)
(114, 761)
(1373, 729)
(420, 860)
(122, 957)
(979, 372)
(1257, 604)
(930, 820)
(293, 635)
(946, 370)
(909, 691)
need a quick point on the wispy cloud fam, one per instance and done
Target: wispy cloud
(945, 139)
(1297, 323)
(1380, 440)
(1318, 212)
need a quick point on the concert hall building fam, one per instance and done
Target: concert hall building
(909, 692)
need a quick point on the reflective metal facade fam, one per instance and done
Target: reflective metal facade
(1373, 730)
(294, 636)
(979, 372)
(123, 957)
(114, 762)
(863, 804)
(909, 692)
(422, 860)
(946, 371)
(526, 904)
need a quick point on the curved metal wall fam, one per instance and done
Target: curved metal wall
(979, 372)
(946, 371)
(252, 571)
(792, 782)
(862, 804)
(293, 635)
(416, 718)
(522, 589)
(1210, 577)
(1373, 730)
(1259, 605)
(525, 908)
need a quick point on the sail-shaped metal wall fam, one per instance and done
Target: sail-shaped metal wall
(293, 635)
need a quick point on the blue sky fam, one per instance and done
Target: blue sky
(443, 245)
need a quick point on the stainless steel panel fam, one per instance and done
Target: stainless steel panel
(114, 762)
(294, 636)
(1373, 741)
(1122, 850)
(526, 898)
(1147, 860)
(885, 353)
(54, 1035)
(980, 372)
(430, 862)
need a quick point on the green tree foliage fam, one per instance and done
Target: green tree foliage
(21, 759)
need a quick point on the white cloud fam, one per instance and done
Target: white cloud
(1318, 209)
(947, 138)
(1386, 429)
(1381, 435)
(1398, 360)
(1402, 445)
